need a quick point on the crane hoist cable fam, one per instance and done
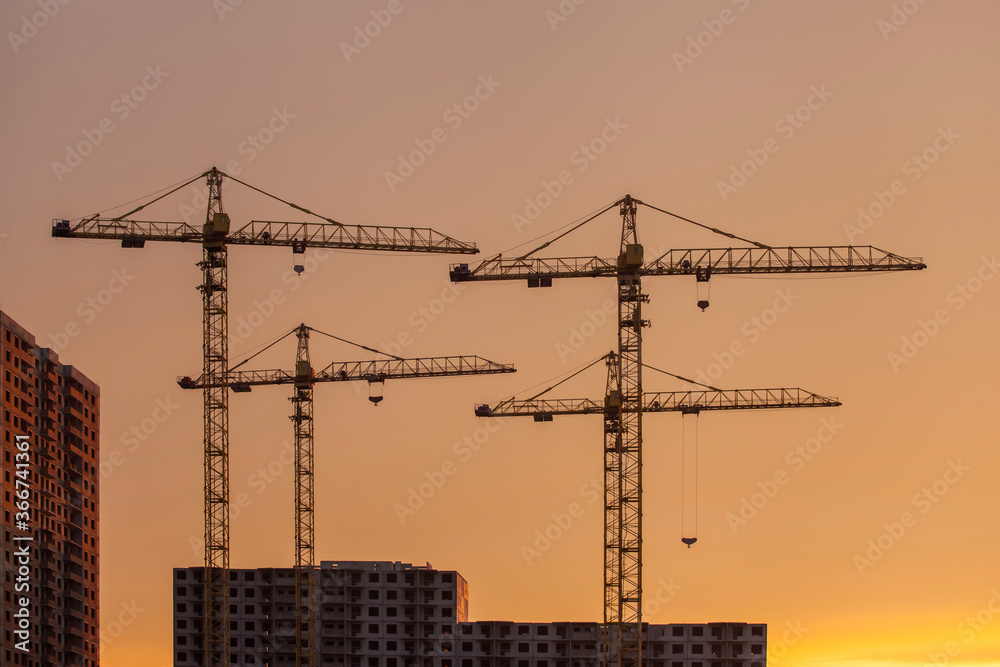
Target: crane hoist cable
(689, 487)
(172, 188)
(588, 217)
(287, 203)
(569, 231)
(264, 349)
(363, 347)
(592, 363)
(681, 377)
(165, 194)
(703, 226)
(551, 241)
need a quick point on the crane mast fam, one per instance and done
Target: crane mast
(623, 403)
(303, 378)
(215, 237)
(215, 357)
(623, 532)
(305, 577)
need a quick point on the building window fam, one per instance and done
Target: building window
(522, 647)
(373, 577)
(678, 631)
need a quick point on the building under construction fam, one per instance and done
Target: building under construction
(391, 614)
(50, 439)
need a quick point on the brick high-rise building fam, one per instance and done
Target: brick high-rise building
(55, 410)
(386, 614)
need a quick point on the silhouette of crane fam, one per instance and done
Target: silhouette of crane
(303, 378)
(215, 237)
(625, 401)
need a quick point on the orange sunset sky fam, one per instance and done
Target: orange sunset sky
(805, 123)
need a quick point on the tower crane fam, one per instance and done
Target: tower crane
(215, 236)
(625, 401)
(303, 378)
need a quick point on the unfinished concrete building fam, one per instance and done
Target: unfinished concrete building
(391, 614)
